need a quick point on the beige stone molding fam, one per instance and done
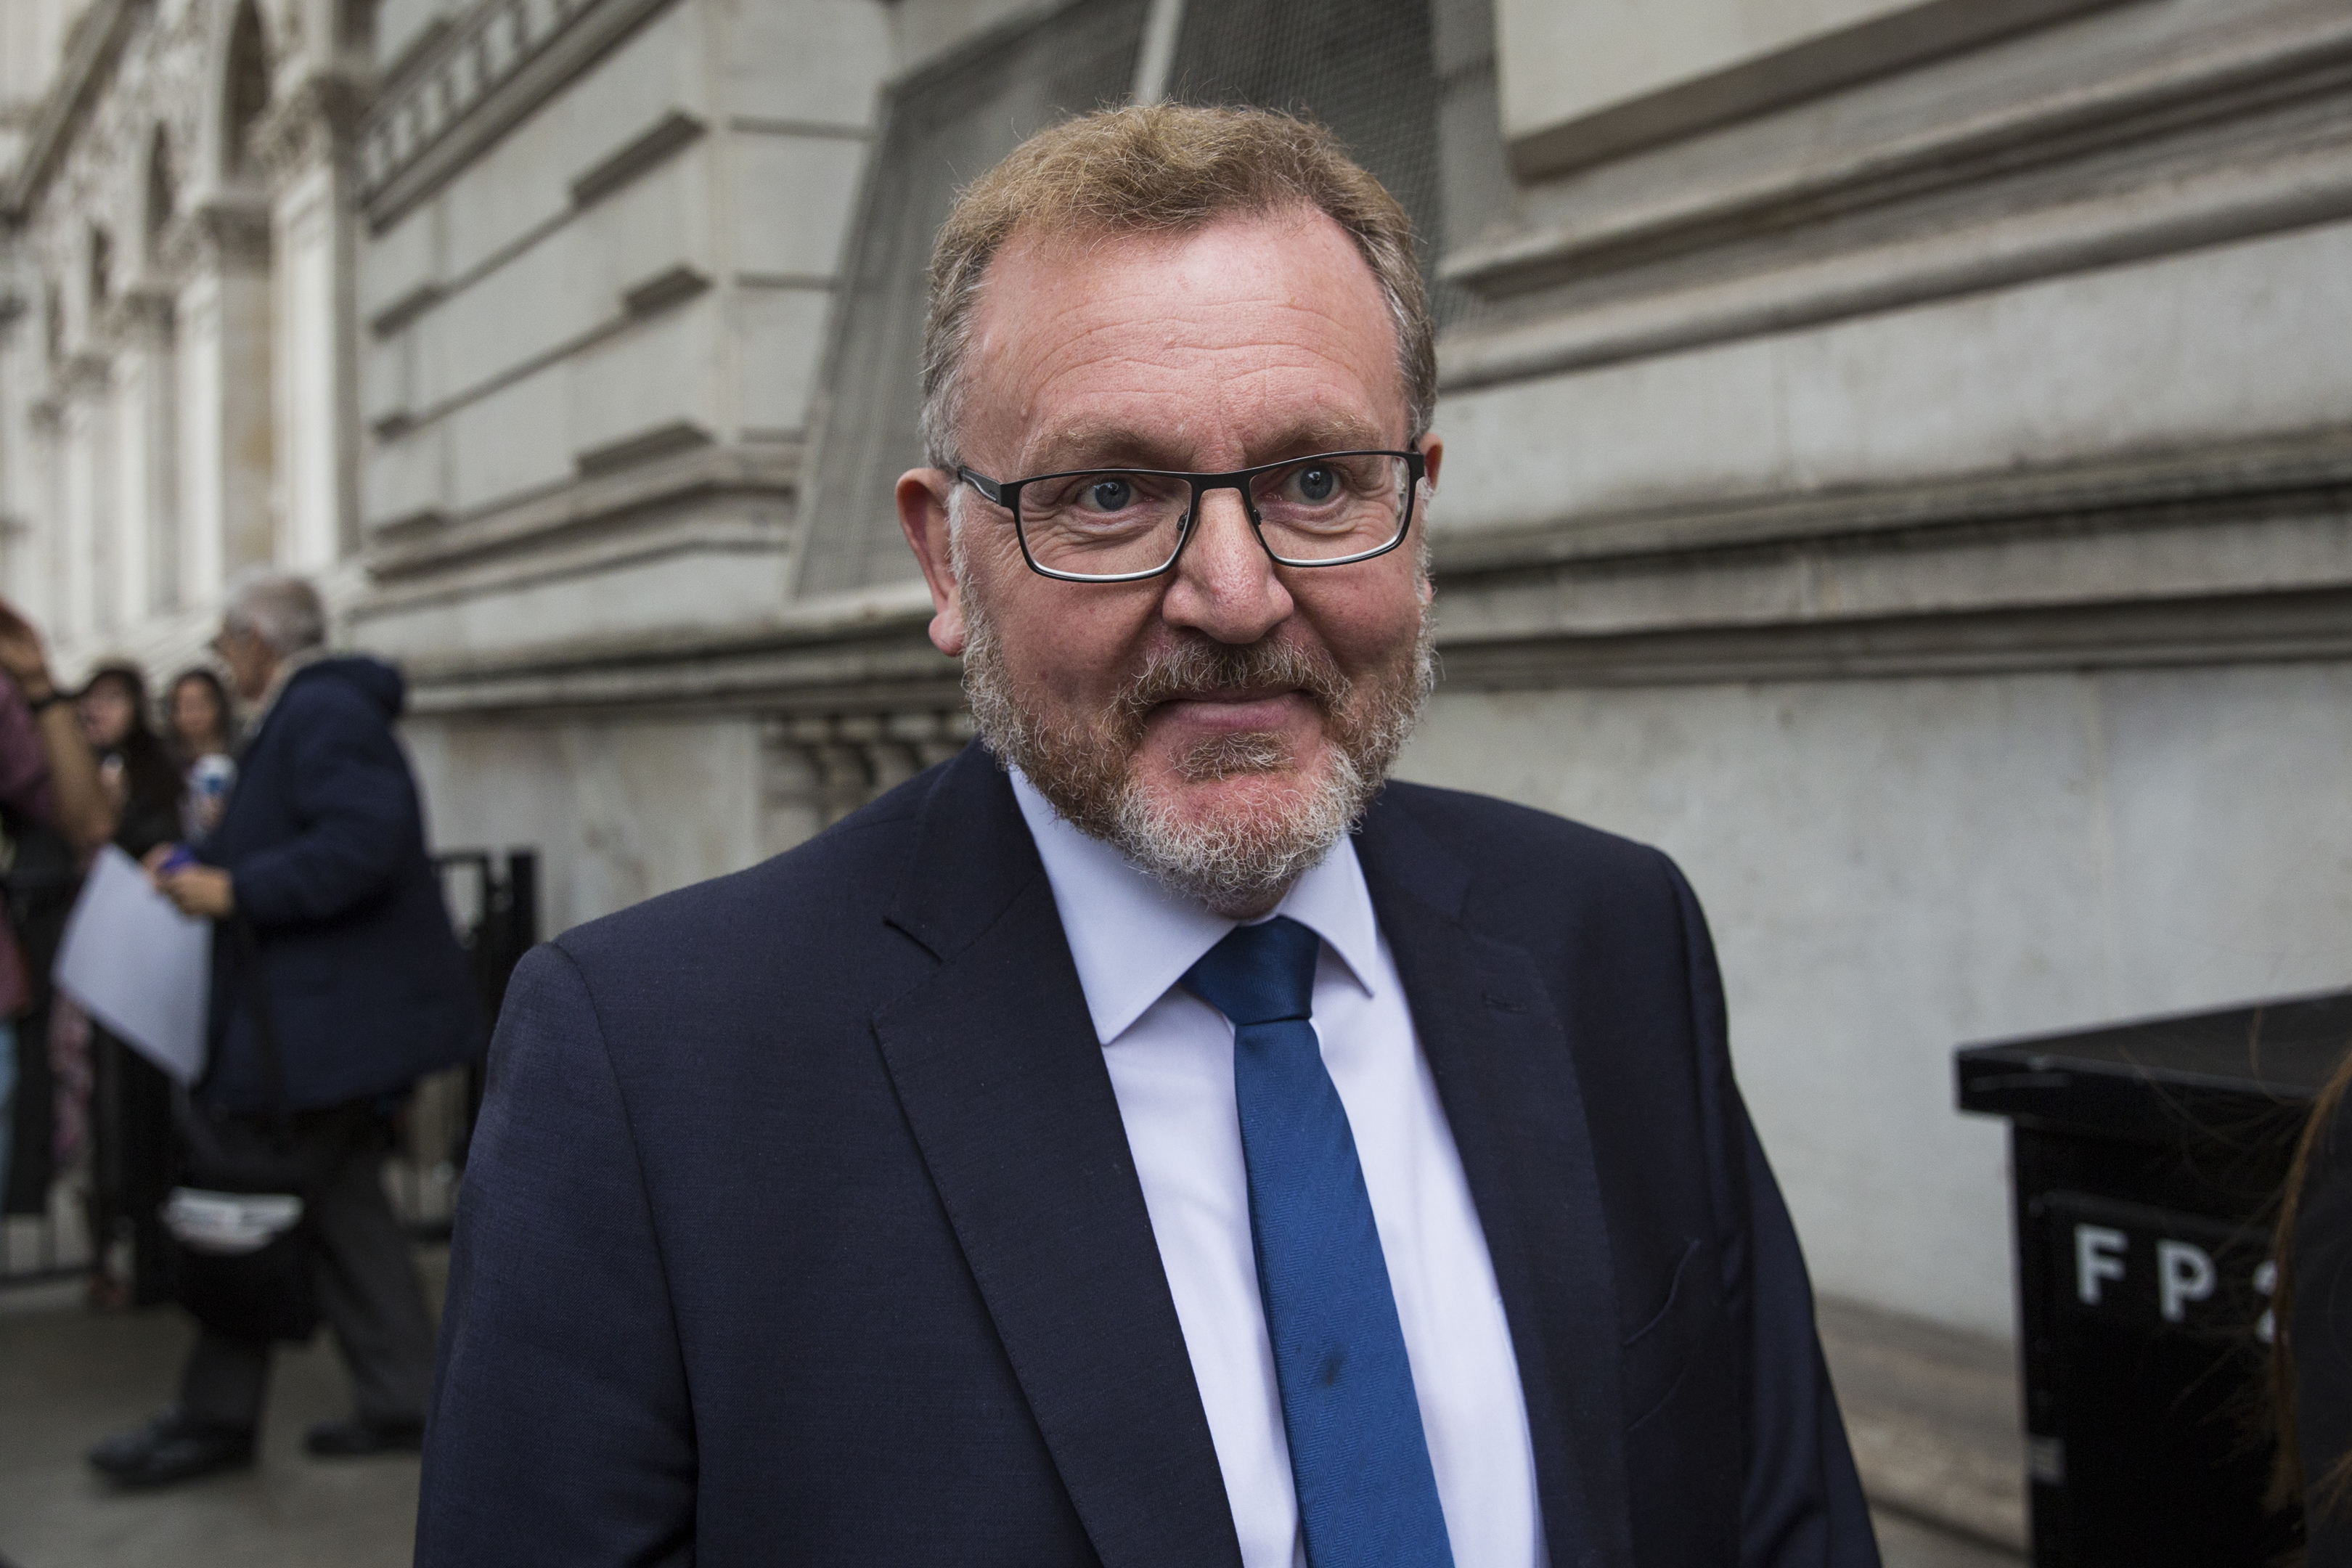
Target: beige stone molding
(138, 316)
(2230, 555)
(311, 123)
(464, 88)
(862, 651)
(821, 764)
(2242, 78)
(2247, 628)
(2216, 482)
(419, 548)
(87, 376)
(888, 663)
(224, 233)
(1898, 35)
(1782, 266)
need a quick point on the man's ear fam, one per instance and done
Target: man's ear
(1433, 452)
(923, 497)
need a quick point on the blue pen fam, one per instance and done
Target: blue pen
(179, 859)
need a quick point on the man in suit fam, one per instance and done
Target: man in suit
(320, 860)
(1145, 1139)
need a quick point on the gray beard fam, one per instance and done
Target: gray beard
(1240, 864)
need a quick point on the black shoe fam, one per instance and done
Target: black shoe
(357, 1439)
(172, 1448)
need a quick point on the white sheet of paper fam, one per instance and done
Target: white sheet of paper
(138, 965)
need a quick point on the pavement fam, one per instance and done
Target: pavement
(68, 1377)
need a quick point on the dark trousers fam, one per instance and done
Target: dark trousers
(130, 1130)
(367, 1290)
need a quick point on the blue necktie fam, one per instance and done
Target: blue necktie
(1367, 1495)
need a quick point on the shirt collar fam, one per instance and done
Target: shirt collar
(1132, 938)
(289, 667)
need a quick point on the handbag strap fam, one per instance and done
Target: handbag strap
(253, 985)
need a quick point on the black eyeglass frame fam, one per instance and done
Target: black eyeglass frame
(1007, 494)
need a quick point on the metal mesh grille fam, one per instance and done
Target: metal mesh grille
(1363, 67)
(946, 125)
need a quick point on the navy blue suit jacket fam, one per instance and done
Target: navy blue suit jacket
(324, 842)
(801, 1226)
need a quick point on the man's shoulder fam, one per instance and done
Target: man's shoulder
(325, 695)
(1536, 879)
(1492, 836)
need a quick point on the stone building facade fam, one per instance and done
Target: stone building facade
(1898, 452)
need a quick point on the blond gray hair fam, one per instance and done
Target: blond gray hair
(281, 609)
(1165, 168)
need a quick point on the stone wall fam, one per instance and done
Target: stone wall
(1897, 459)
(1919, 506)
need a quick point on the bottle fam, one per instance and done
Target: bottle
(208, 786)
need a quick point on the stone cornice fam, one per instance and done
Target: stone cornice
(2090, 176)
(2228, 555)
(2070, 122)
(882, 661)
(2212, 483)
(416, 549)
(1897, 38)
(2242, 628)
(865, 648)
(471, 84)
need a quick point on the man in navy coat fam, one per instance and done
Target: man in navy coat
(1145, 1139)
(320, 857)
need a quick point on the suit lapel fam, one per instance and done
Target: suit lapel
(1507, 1075)
(995, 1062)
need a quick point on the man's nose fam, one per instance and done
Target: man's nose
(1225, 584)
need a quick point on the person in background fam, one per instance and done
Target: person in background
(2312, 1309)
(132, 762)
(130, 1097)
(203, 740)
(53, 811)
(321, 861)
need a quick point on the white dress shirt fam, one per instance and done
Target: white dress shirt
(1171, 1057)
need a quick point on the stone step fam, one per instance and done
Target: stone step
(1933, 1415)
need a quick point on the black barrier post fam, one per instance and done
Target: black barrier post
(503, 926)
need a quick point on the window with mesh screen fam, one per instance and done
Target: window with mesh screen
(1366, 68)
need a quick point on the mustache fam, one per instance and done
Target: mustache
(1208, 669)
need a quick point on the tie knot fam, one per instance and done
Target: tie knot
(1259, 975)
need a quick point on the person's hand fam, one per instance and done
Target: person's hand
(22, 655)
(204, 890)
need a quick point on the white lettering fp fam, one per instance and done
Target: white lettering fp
(2099, 1254)
(2183, 1274)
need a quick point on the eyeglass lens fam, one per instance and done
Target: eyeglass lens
(1115, 522)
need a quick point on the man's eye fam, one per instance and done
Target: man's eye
(1317, 484)
(1108, 494)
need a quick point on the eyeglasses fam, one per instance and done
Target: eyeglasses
(1122, 525)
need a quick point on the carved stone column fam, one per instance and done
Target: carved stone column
(147, 537)
(306, 146)
(84, 520)
(220, 250)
